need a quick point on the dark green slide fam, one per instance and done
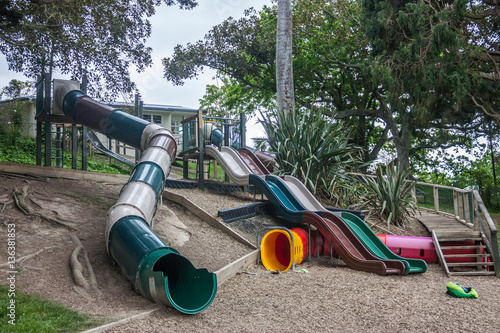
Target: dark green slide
(371, 241)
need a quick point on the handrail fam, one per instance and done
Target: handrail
(489, 229)
(469, 209)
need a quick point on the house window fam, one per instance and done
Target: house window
(176, 127)
(157, 119)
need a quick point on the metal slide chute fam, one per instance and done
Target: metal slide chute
(156, 270)
(94, 140)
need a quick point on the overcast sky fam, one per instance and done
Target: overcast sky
(172, 26)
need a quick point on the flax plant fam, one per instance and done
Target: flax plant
(311, 147)
(391, 194)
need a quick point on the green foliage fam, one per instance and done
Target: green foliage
(21, 151)
(347, 193)
(391, 194)
(34, 314)
(100, 39)
(24, 151)
(16, 89)
(243, 51)
(229, 99)
(13, 115)
(311, 147)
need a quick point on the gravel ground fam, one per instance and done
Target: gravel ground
(330, 297)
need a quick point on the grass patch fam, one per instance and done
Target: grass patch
(24, 151)
(34, 314)
(210, 168)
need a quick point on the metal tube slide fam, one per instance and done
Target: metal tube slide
(212, 133)
(156, 270)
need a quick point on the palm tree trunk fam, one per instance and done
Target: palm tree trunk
(284, 68)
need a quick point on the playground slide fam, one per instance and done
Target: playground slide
(253, 162)
(292, 200)
(156, 270)
(231, 163)
(100, 147)
(369, 239)
(333, 228)
(375, 245)
(267, 159)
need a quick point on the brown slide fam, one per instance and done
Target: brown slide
(253, 162)
(349, 247)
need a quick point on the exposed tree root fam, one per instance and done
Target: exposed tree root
(77, 268)
(26, 257)
(21, 197)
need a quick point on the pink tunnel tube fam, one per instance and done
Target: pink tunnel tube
(411, 247)
(423, 248)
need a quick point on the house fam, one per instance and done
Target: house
(167, 116)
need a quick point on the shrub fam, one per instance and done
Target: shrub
(391, 194)
(311, 147)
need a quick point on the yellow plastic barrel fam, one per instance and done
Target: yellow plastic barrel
(276, 250)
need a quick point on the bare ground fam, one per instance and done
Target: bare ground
(329, 297)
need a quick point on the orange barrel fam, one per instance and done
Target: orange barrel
(276, 250)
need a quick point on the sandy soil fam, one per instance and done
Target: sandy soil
(329, 297)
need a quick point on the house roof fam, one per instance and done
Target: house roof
(157, 107)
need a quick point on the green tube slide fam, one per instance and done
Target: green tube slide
(157, 271)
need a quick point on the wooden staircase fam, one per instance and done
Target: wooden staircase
(448, 243)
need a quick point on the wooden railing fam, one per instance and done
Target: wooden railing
(469, 208)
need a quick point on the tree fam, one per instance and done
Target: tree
(430, 73)
(14, 114)
(284, 63)
(231, 98)
(17, 89)
(100, 39)
(388, 97)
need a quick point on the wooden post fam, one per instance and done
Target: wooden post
(48, 124)
(475, 206)
(436, 198)
(74, 146)
(201, 147)
(83, 87)
(455, 203)
(460, 205)
(185, 167)
(466, 207)
(139, 112)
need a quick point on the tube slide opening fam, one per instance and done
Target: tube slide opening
(189, 288)
(168, 278)
(276, 250)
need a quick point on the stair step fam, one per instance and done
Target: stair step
(468, 255)
(458, 264)
(465, 247)
(465, 233)
(460, 239)
(473, 273)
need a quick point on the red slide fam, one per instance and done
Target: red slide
(349, 247)
(253, 162)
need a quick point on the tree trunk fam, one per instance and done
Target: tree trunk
(402, 141)
(284, 68)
